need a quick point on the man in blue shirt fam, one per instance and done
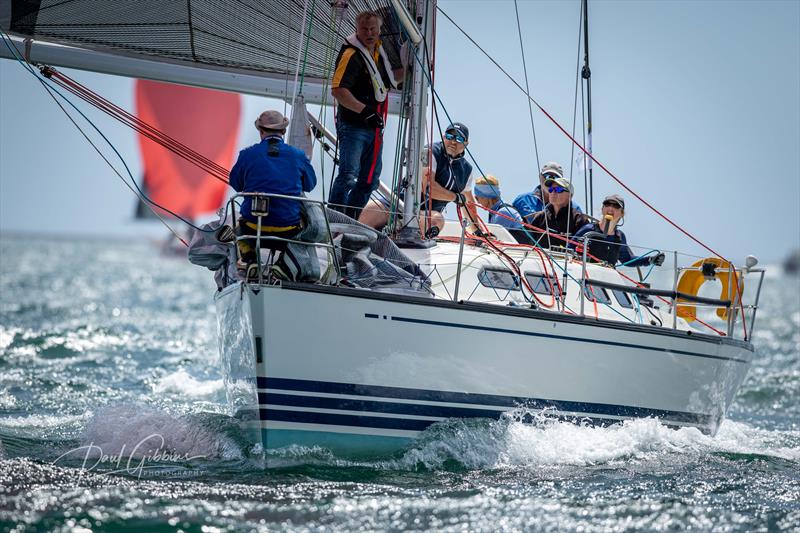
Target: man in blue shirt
(530, 203)
(487, 194)
(271, 166)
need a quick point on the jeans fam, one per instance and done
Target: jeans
(359, 149)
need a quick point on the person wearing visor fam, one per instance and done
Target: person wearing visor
(271, 166)
(452, 182)
(607, 243)
(487, 194)
(530, 203)
(559, 215)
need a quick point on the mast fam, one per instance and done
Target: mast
(426, 10)
(586, 74)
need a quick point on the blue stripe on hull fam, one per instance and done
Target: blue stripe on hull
(342, 444)
(508, 402)
(377, 422)
(441, 411)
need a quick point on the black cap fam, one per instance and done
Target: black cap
(460, 128)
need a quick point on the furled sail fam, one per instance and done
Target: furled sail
(246, 43)
(206, 121)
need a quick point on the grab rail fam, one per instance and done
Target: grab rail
(259, 237)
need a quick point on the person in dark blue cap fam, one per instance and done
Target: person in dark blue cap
(607, 243)
(452, 182)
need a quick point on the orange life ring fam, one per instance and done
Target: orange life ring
(691, 281)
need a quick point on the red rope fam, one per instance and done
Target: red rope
(143, 128)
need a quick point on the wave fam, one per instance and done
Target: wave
(182, 383)
(136, 431)
(478, 444)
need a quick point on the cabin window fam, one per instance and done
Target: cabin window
(539, 283)
(497, 278)
(623, 298)
(598, 294)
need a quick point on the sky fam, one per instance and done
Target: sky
(696, 107)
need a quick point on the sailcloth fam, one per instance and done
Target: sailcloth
(299, 130)
(204, 120)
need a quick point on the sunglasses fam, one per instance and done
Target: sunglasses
(454, 137)
(557, 189)
(612, 204)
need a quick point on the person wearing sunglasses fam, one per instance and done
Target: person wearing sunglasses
(452, 182)
(559, 216)
(607, 243)
(530, 203)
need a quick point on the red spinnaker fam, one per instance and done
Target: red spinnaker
(204, 120)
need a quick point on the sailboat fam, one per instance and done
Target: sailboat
(396, 332)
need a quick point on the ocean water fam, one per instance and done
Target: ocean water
(106, 345)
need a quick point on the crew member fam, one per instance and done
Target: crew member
(530, 203)
(609, 243)
(452, 182)
(559, 215)
(360, 85)
(271, 166)
(487, 194)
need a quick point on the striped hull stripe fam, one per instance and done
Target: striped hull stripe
(383, 393)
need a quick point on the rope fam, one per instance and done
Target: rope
(50, 91)
(601, 165)
(527, 87)
(579, 145)
(299, 51)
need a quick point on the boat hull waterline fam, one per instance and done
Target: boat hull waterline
(359, 372)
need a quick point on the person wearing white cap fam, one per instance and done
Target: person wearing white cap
(271, 166)
(559, 216)
(487, 194)
(607, 242)
(530, 203)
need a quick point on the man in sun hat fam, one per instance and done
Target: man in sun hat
(609, 243)
(530, 203)
(559, 215)
(487, 194)
(271, 166)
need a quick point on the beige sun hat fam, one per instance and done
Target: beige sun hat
(271, 120)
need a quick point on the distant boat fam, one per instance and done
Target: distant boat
(206, 121)
(791, 265)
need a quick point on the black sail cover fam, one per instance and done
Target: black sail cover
(258, 36)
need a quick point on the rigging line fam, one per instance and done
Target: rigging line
(135, 123)
(46, 85)
(575, 105)
(527, 87)
(580, 146)
(305, 52)
(50, 92)
(585, 164)
(574, 120)
(299, 51)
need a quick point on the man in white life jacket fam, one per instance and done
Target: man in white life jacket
(360, 85)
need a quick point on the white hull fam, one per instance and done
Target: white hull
(331, 366)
